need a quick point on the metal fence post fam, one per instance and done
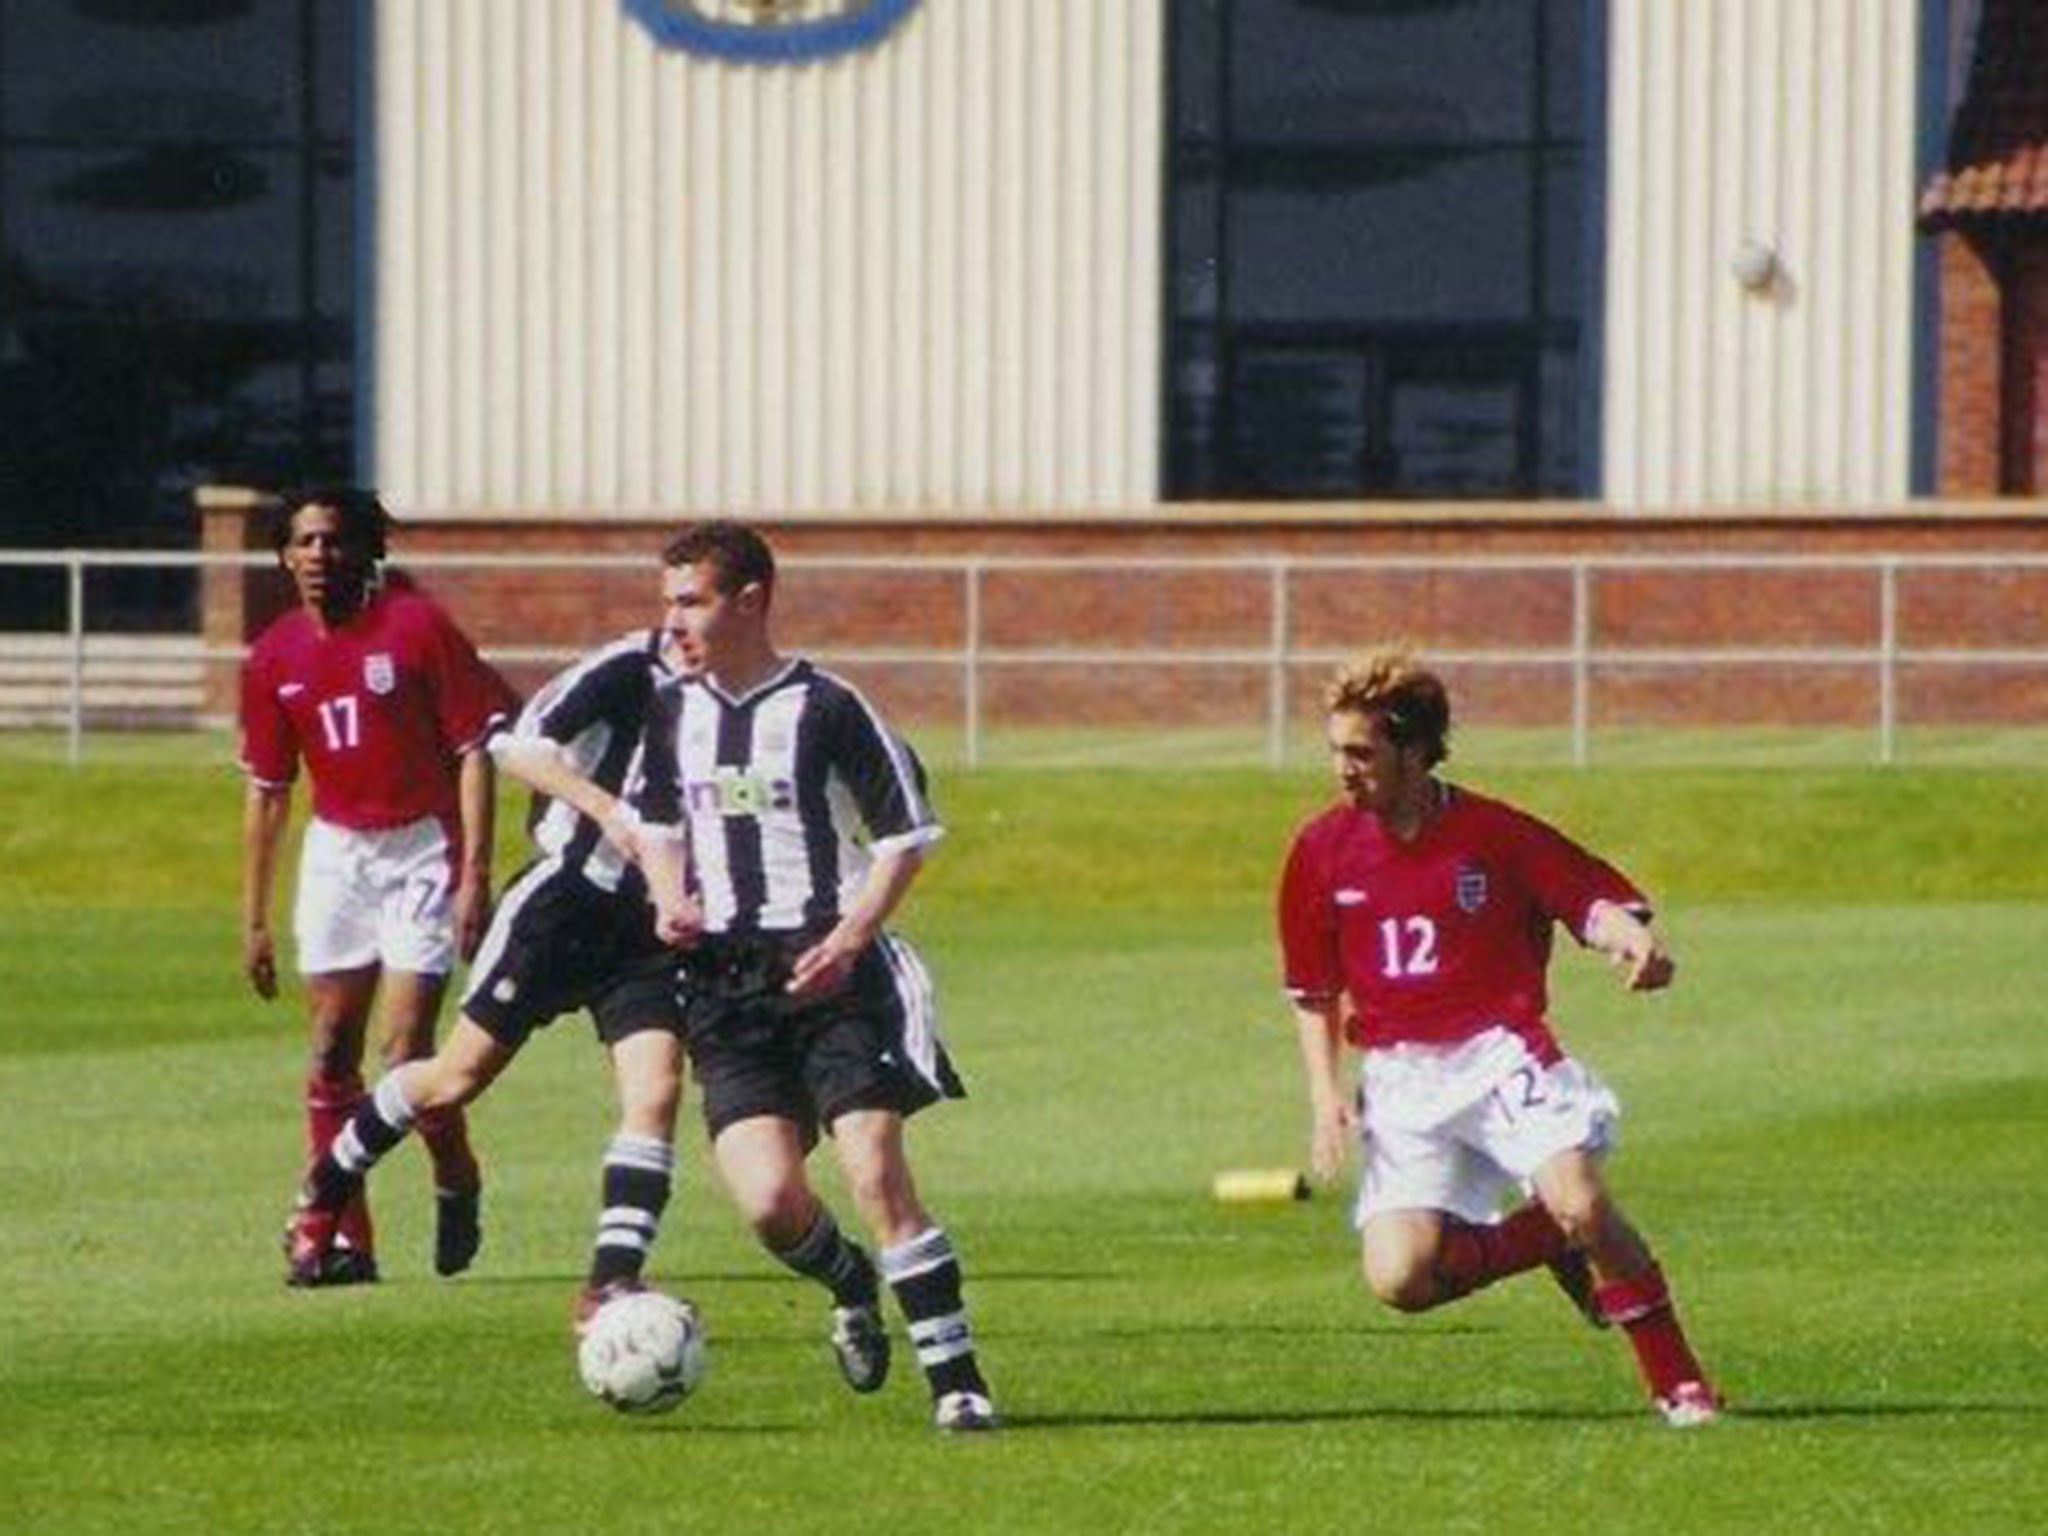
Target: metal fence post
(1276, 682)
(971, 657)
(1887, 660)
(1582, 667)
(74, 602)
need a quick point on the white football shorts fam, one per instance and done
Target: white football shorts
(1457, 1128)
(368, 897)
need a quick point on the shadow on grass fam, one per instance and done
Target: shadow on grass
(767, 1274)
(1253, 1419)
(699, 1429)
(1798, 1413)
(1779, 1413)
(1208, 1329)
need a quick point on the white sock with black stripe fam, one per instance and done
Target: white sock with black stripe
(639, 1173)
(924, 1272)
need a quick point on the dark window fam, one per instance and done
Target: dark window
(177, 212)
(1377, 267)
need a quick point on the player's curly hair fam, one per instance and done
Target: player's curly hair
(1391, 683)
(736, 552)
(365, 524)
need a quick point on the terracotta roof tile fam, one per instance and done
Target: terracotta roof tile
(1998, 145)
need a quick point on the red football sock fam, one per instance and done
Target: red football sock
(329, 1103)
(1642, 1306)
(1470, 1256)
(446, 1134)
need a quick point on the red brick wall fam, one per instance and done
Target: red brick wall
(1969, 406)
(1468, 616)
(2025, 402)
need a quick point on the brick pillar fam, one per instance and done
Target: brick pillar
(234, 602)
(1970, 405)
(2026, 371)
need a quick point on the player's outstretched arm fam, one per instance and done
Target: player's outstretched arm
(1632, 945)
(660, 851)
(265, 809)
(1332, 1117)
(538, 763)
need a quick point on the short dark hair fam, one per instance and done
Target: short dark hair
(734, 551)
(364, 522)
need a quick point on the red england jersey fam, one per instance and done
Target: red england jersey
(1443, 937)
(379, 708)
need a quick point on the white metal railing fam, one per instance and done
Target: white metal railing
(1582, 655)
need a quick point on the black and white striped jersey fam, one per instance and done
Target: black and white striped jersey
(788, 795)
(596, 711)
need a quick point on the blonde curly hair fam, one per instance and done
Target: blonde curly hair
(1392, 683)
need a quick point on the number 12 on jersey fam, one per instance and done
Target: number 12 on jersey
(1407, 947)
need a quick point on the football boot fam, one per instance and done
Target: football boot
(860, 1340)
(457, 1231)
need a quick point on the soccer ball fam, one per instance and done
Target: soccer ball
(643, 1352)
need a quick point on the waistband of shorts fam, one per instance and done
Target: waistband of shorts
(784, 943)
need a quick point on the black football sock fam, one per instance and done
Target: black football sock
(638, 1177)
(379, 1123)
(924, 1272)
(823, 1254)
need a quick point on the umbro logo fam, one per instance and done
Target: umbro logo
(1350, 896)
(290, 690)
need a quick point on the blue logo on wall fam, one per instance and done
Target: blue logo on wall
(770, 31)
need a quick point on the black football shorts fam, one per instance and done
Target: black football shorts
(872, 1045)
(558, 943)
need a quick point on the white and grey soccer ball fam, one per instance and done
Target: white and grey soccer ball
(643, 1352)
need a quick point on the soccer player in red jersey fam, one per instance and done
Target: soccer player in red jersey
(1415, 923)
(376, 691)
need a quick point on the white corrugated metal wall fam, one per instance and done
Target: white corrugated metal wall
(1788, 123)
(612, 277)
(927, 278)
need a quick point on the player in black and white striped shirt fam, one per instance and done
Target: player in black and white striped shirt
(782, 815)
(573, 930)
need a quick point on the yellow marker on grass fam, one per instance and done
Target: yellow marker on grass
(1260, 1186)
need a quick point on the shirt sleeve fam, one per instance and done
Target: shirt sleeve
(1311, 964)
(658, 795)
(1564, 878)
(882, 775)
(607, 686)
(270, 747)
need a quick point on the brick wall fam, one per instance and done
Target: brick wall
(1969, 406)
(2025, 395)
(1074, 616)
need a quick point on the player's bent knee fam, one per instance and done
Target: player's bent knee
(444, 1087)
(1405, 1281)
(780, 1210)
(1407, 1293)
(1586, 1216)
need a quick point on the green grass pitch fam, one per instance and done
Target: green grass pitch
(1836, 1134)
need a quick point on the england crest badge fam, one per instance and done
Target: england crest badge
(380, 673)
(1468, 887)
